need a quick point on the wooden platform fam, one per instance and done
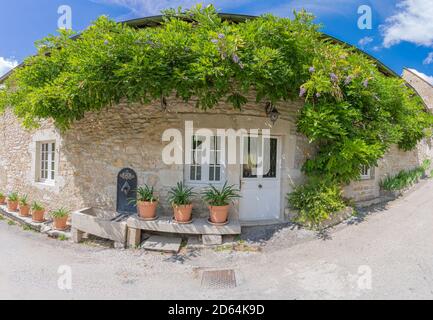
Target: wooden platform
(199, 226)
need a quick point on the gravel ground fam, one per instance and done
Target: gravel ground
(385, 254)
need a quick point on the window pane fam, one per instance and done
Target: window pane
(53, 154)
(198, 174)
(192, 173)
(270, 158)
(218, 173)
(250, 158)
(211, 173)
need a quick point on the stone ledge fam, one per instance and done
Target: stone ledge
(198, 226)
(42, 227)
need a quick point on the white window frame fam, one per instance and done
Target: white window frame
(215, 153)
(46, 162)
(366, 173)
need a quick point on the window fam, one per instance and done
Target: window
(256, 148)
(200, 170)
(365, 173)
(47, 151)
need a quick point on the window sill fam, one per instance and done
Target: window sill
(203, 184)
(46, 183)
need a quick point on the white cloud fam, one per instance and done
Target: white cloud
(413, 23)
(429, 58)
(6, 65)
(365, 41)
(427, 78)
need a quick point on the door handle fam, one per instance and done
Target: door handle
(260, 186)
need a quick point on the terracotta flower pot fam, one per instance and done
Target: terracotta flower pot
(2, 200)
(24, 211)
(12, 206)
(183, 213)
(38, 215)
(60, 223)
(147, 210)
(219, 214)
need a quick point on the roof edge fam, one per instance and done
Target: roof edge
(237, 18)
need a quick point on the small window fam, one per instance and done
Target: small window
(365, 172)
(201, 171)
(47, 168)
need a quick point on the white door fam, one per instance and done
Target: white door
(260, 179)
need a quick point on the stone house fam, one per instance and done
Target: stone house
(80, 168)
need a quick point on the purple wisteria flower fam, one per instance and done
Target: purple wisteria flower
(333, 77)
(318, 95)
(106, 42)
(348, 80)
(215, 41)
(311, 69)
(302, 92)
(221, 36)
(236, 58)
(365, 83)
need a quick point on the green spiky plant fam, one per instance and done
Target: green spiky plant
(14, 196)
(60, 213)
(36, 206)
(180, 195)
(146, 194)
(23, 201)
(220, 197)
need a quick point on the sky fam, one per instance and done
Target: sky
(400, 34)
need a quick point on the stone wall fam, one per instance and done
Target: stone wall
(424, 89)
(91, 154)
(393, 162)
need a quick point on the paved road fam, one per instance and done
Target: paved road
(388, 255)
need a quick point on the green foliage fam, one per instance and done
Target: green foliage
(145, 194)
(62, 237)
(60, 213)
(2, 195)
(180, 195)
(405, 178)
(36, 206)
(220, 197)
(353, 113)
(14, 196)
(23, 200)
(426, 164)
(316, 201)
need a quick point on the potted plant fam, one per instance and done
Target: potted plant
(60, 219)
(180, 199)
(146, 202)
(24, 206)
(13, 199)
(2, 198)
(219, 202)
(38, 212)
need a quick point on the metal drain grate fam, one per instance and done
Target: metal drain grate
(218, 279)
